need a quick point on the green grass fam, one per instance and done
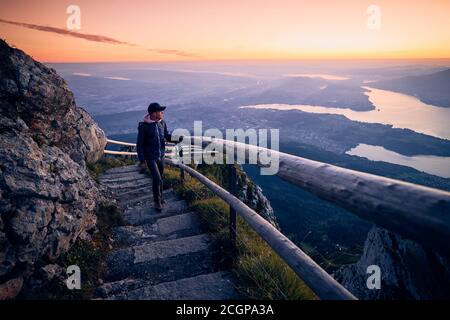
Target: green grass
(90, 256)
(105, 163)
(261, 273)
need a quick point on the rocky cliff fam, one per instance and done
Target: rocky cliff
(246, 190)
(408, 271)
(252, 195)
(47, 197)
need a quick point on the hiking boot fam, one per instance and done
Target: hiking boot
(158, 206)
(142, 167)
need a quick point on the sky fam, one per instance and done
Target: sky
(204, 30)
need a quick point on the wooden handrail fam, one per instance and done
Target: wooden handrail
(309, 271)
(416, 212)
(121, 143)
(122, 153)
(413, 211)
(132, 144)
(169, 147)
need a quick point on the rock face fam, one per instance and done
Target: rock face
(47, 197)
(408, 271)
(252, 195)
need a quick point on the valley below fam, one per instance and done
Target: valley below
(319, 116)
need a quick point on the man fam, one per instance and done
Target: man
(151, 146)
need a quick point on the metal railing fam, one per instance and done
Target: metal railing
(416, 212)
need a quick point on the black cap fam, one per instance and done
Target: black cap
(154, 106)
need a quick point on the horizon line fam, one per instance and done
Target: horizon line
(252, 60)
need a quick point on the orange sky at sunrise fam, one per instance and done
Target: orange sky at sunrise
(177, 30)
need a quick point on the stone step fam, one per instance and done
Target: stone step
(124, 169)
(133, 193)
(167, 228)
(118, 288)
(170, 225)
(146, 197)
(130, 185)
(211, 286)
(127, 178)
(118, 192)
(146, 213)
(162, 261)
(161, 255)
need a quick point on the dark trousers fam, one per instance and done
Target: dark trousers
(156, 168)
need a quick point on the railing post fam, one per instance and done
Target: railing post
(180, 154)
(182, 176)
(233, 191)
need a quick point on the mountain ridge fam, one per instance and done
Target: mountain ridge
(431, 88)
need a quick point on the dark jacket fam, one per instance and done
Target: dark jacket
(151, 140)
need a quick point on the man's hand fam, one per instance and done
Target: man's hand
(142, 167)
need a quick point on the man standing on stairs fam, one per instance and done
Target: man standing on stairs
(152, 134)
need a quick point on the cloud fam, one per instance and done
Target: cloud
(89, 37)
(82, 74)
(94, 37)
(118, 78)
(175, 52)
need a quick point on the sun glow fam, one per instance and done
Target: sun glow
(227, 30)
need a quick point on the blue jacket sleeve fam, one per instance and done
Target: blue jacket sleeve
(140, 143)
(167, 135)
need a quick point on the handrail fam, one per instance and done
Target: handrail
(128, 153)
(416, 212)
(123, 153)
(131, 144)
(169, 146)
(309, 271)
(121, 143)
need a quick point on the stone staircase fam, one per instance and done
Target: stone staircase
(159, 255)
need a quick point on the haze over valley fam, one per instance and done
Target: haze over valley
(374, 117)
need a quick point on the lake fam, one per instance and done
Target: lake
(396, 109)
(439, 166)
(400, 111)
